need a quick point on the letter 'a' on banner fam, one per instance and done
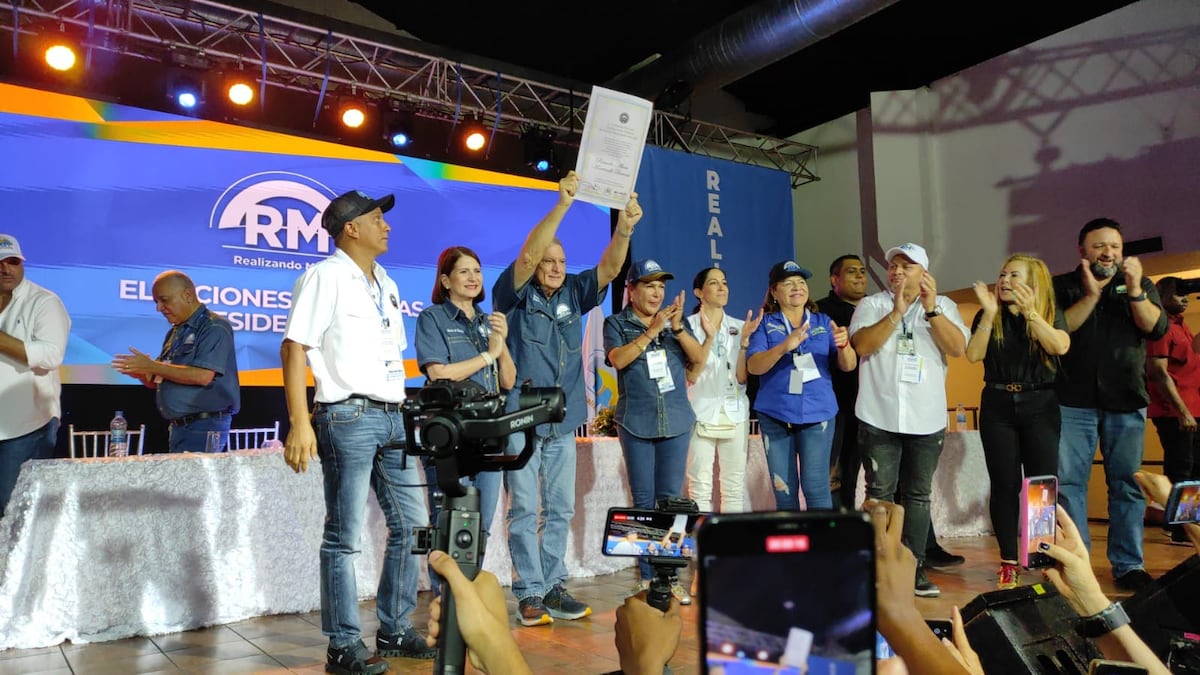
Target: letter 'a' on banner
(703, 212)
(599, 379)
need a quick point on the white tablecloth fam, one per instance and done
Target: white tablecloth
(102, 549)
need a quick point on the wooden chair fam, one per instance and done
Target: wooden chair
(95, 443)
(251, 439)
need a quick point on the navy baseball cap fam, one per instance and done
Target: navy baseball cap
(785, 269)
(647, 270)
(349, 206)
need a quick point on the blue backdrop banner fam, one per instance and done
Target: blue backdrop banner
(703, 212)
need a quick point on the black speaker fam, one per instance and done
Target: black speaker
(1028, 629)
(1166, 614)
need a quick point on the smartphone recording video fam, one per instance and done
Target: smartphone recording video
(1039, 496)
(645, 532)
(1183, 505)
(788, 592)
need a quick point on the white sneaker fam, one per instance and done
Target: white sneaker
(680, 592)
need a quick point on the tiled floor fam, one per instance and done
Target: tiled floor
(294, 644)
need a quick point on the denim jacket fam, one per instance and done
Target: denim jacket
(642, 409)
(445, 335)
(545, 338)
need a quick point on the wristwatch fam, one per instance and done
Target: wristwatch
(676, 331)
(936, 311)
(1102, 623)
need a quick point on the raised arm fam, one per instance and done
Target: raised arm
(542, 234)
(1145, 306)
(981, 333)
(618, 247)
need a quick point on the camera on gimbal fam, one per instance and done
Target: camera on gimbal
(463, 430)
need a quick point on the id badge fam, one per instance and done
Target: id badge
(395, 371)
(910, 368)
(656, 363)
(666, 383)
(795, 382)
(733, 404)
(388, 349)
(906, 346)
(807, 366)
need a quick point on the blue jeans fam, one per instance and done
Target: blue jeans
(1120, 436)
(37, 444)
(811, 444)
(541, 501)
(656, 467)
(193, 436)
(900, 469)
(348, 440)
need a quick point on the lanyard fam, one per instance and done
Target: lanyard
(375, 290)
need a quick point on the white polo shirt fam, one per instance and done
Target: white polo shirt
(719, 377)
(340, 317)
(884, 400)
(29, 392)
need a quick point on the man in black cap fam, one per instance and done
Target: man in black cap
(345, 320)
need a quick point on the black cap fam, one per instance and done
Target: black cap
(349, 206)
(785, 269)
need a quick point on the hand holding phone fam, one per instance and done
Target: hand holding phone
(1039, 496)
(1183, 504)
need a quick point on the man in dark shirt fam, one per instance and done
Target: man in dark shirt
(848, 282)
(1111, 310)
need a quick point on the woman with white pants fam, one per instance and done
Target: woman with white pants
(717, 390)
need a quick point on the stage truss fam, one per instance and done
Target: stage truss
(284, 48)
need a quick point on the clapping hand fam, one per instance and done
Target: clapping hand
(841, 336)
(1023, 297)
(1133, 273)
(988, 300)
(928, 291)
(752, 322)
(796, 337)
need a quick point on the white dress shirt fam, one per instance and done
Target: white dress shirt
(29, 392)
(719, 377)
(884, 400)
(340, 317)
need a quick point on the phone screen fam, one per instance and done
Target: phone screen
(645, 532)
(788, 592)
(1183, 506)
(1039, 499)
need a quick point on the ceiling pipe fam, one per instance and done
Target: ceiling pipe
(742, 44)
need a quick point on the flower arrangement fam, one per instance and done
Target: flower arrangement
(603, 424)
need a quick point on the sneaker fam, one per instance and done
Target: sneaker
(940, 557)
(354, 659)
(409, 644)
(1009, 577)
(680, 593)
(641, 586)
(1134, 580)
(561, 605)
(533, 612)
(923, 587)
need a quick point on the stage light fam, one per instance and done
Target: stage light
(352, 114)
(474, 140)
(186, 93)
(399, 128)
(400, 139)
(539, 148)
(60, 56)
(240, 93)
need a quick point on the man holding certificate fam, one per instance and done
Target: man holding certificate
(545, 307)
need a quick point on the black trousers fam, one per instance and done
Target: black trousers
(1020, 438)
(1181, 449)
(845, 458)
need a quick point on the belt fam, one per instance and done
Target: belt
(188, 419)
(1017, 387)
(367, 402)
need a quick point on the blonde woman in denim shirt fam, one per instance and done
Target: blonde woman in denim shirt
(792, 352)
(650, 346)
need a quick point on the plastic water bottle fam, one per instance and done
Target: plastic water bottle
(118, 436)
(960, 418)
